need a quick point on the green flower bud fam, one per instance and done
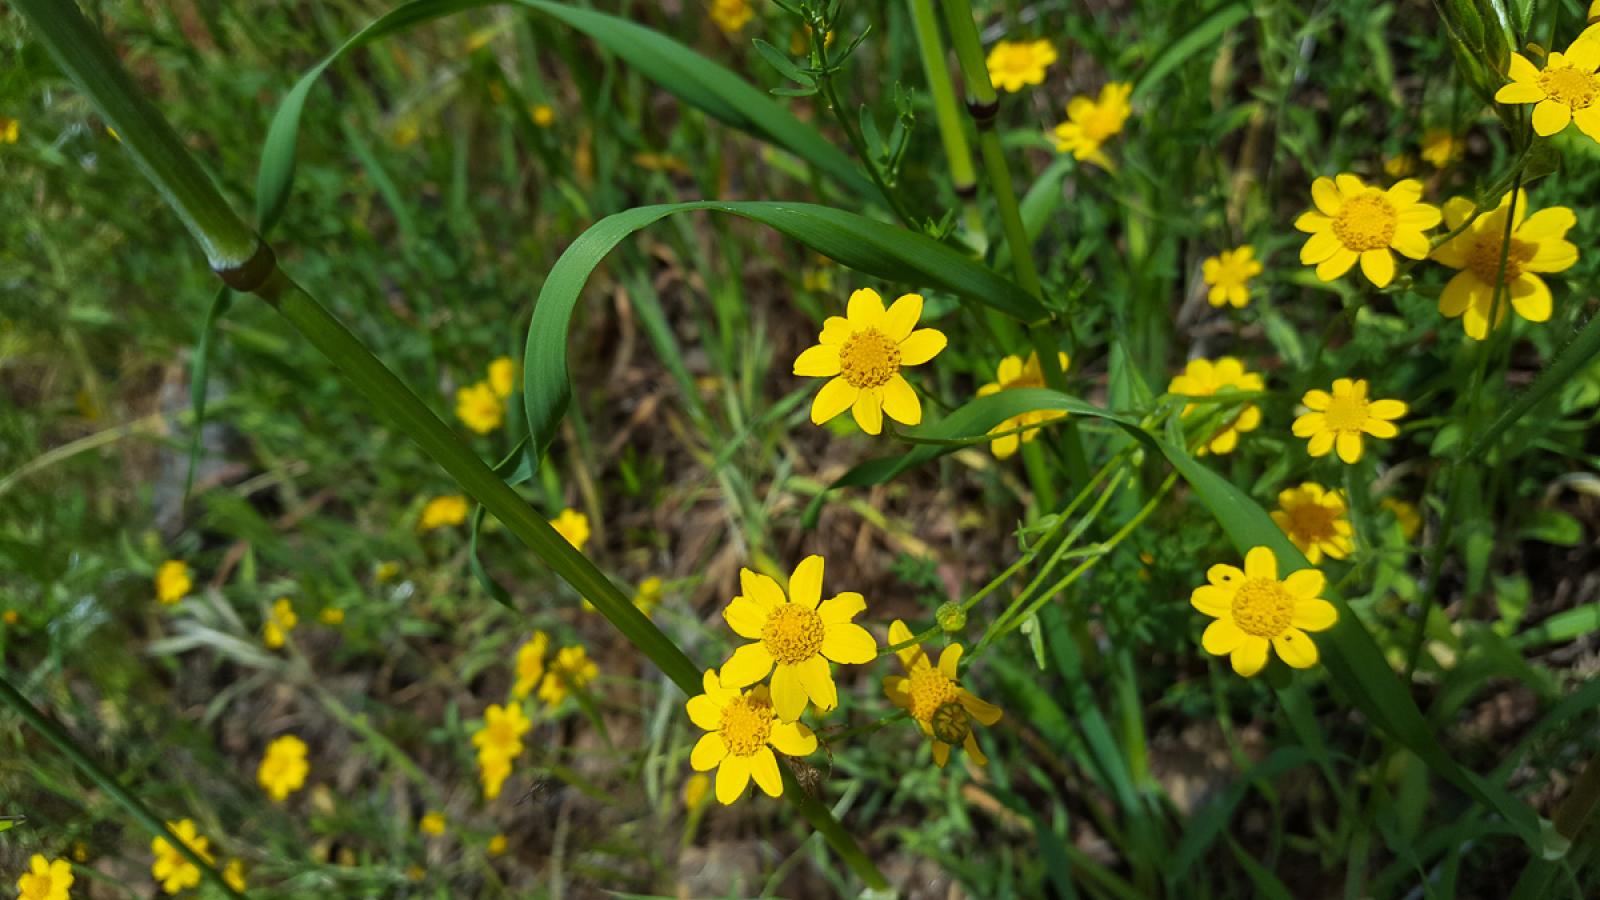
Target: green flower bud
(951, 617)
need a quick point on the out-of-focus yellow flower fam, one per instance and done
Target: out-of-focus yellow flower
(497, 845)
(171, 867)
(280, 622)
(10, 617)
(9, 130)
(284, 768)
(80, 851)
(441, 512)
(542, 115)
(648, 595)
(1254, 610)
(233, 874)
(796, 636)
(386, 571)
(45, 879)
(405, 133)
(1314, 519)
(1229, 273)
(502, 377)
(499, 742)
(1538, 244)
(432, 823)
(415, 873)
(530, 664)
(1353, 221)
(331, 615)
(1404, 513)
(936, 700)
(1015, 64)
(1441, 148)
(731, 15)
(697, 790)
(571, 670)
(480, 408)
(1206, 378)
(741, 731)
(1013, 372)
(173, 581)
(1090, 123)
(862, 353)
(818, 278)
(1400, 165)
(1342, 417)
(480, 38)
(1566, 91)
(572, 525)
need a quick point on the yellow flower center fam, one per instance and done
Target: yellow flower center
(1262, 607)
(930, 692)
(1570, 87)
(1347, 413)
(1312, 521)
(746, 725)
(1366, 222)
(1484, 258)
(792, 634)
(869, 359)
(1102, 123)
(950, 723)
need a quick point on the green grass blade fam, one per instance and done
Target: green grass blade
(1570, 362)
(514, 470)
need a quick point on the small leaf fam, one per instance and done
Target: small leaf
(785, 66)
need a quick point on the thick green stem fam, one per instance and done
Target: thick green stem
(946, 112)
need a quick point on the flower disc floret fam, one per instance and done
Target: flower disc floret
(793, 635)
(869, 359)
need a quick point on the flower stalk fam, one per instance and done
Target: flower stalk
(957, 152)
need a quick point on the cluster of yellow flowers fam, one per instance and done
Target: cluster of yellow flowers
(176, 873)
(280, 621)
(499, 740)
(482, 406)
(1091, 122)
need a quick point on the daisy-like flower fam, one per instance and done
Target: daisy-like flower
(530, 664)
(1400, 165)
(1253, 610)
(172, 868)
(1013, 372)
(233, 874)
(283, 769)
(648, 596)
(1441, 148)
(497, 845)
(731, 15)
(1354, 221)
(863, 353)
(45, 879)
(1538, 244)
(280, 622)
(1229, 273)
(1342, 417)
(1091, 123)
(795, 638)
(1314, 519)
(480, 408)
(502, 377)
(499, 742)
(1409, 519)
(572, 525)
(942, 707)
(1015, 64)
(442, 512)
(571, 670)
(1566, 91)
(1206, 378)
(173, 582)
(742, 729)
(433, 823)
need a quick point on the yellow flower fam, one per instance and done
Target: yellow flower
(1354, 221)
(405, 133)
(1404, 513)
(1314, 519)
(1441, 148)
(331, 615)
(1254, 609)
(1594, 12)
(795, 637)
(280, 622)
(497, 845)
(502, 377)
(1013, 372)
(480, 408)
(432, 823)
(1343, 416)
(571, 670)
(696, 790)
(1538, 244)
(936, 700)
(233, 874)
(648, 595)
(10, 617)
(1400, 165)
(572, 525)
(1013, 64)
(440, 512)
(741, 731)
(47, 880)
(530, 664)
(8, 130)
(499, 742)
(386, 571)
(172, 582)
(172, 868)
(1090, 124)
(731, 15)
(1229, 274)
(80, 851)
(1205, 378)
(1567, 91)
(542, 114)
(283, 768)
(863, 352)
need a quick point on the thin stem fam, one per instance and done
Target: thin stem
(824, 72)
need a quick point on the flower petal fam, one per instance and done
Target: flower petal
(1313, 222)
(1261, 563)
(848, 643)
(1531, 298)
(1349, 185)
(835, 397)
(704, 712)
(1326, 196)
(792, 739)
(1387, 409)
(835, 331)
(1319, 247)
(971, 746)
(733, 776)
(1296, 648)
(865, 309)
(788, 693)
(1549, 117)
(1222, 637)
(900, 402)
(1517, 92)
(1378, 266)
(1404, 193)
(1320, 444)
(1412, 242)
(1349, 446)
(1250, 656)
(1521, 69)
(1337, 264)
(708, 751)
(912, 657)
(1457, 294)
(922, 345)
(817, 679)
(1314, 615)
(941, 753)
(868, 411)
(764, 768)
(746, 617)
(901, 317)
(821, 361)
(1547, 224)
(748, 665)
(844, 607)
(1305, 583)
(950, 661)
(1212, 600)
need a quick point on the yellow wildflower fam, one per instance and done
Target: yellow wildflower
(432, 823)
(863, 353)
(1353, 221)
(440, 512)
(741, 731)
(1090, 124)
(10, 617)
(1538, 244)
(233, 874)
(9, 129)
(173, 582)
(1013, 372)
(386, 571)
(696, 790)
(405, 133)
(530, 664)
(46, 879)
(1400, 165)
(283, 768)
(572, 525)
(795, 638)
(1441, 148)
(331, 615)
(280, 622)
(497, 845)
(1229, 274)
(1206, 378)
(1314, 519)
(942, 707)
(1014, 64)
(480, 408)
(571, 670)
(502, 377)
(499, 742)
(731, 15)
(1253, 610)
(172, 868)
(1404, 513)
(542, 114)
(80, 851)
(1343, 416)
(648, 595)
(1567, 91)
